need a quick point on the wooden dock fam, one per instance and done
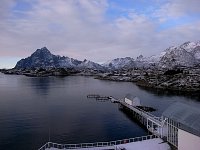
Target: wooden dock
(103, 98)
(99, 98)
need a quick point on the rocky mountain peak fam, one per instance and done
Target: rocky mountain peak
(42, 50)
(85, 60)
(43, 58)
(189, 46)
(140, 58)
(178, 56)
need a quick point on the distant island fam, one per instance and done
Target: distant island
(176, 68)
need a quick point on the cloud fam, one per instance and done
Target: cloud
(174, 9)
(82, 29)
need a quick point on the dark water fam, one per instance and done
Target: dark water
(31, 107)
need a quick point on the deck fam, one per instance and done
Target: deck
(150, 144)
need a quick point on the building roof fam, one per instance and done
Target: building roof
(136, 101)
(188, 116)
(130, 96)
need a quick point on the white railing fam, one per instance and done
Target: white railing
(143, 113)
(98, 144)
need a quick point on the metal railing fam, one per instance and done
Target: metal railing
(143, 113)
(97, 144)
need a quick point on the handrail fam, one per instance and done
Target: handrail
(142, 111)
(97, 144)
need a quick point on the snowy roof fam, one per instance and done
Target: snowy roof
(188, 116)
(130, 96)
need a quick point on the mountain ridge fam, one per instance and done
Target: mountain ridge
(43, 58)
(187, 54)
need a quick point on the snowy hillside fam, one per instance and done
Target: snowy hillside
(187, 54)
(87, 64)
(119, 63)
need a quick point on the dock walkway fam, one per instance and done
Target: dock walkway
(143, 113)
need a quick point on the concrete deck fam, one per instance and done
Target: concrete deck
(151, 144)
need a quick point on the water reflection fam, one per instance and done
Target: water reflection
(29, 107)
(40, 85)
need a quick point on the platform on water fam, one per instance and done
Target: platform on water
(99, 98)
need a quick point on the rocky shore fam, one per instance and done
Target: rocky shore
(182, 79)
(185, 79)
(40, 72)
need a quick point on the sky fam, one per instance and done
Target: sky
(97, 30)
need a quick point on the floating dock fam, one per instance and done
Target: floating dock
(99, 98)
(103, 98)
(93, 96)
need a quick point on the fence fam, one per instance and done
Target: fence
(98, 144)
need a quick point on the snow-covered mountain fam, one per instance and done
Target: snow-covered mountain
(187, 54)
(193, 48)
(119, 63)
(128, 62)
(87, 64)
(42, 58)
(142, 62)
(189, 46)
(177, 57)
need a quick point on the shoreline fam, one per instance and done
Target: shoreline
(183, 81)
(178, 85)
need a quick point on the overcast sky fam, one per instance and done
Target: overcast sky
(98, 30)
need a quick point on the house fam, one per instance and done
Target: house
(132, 100)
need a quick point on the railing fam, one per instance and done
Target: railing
(142, 112)
(98, 144)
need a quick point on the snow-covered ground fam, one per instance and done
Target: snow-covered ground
(151, 144)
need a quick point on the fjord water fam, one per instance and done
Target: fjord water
(35, 110)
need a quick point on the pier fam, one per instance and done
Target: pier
(152, 123)
(159, 127)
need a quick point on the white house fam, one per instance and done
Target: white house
(132, 100)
